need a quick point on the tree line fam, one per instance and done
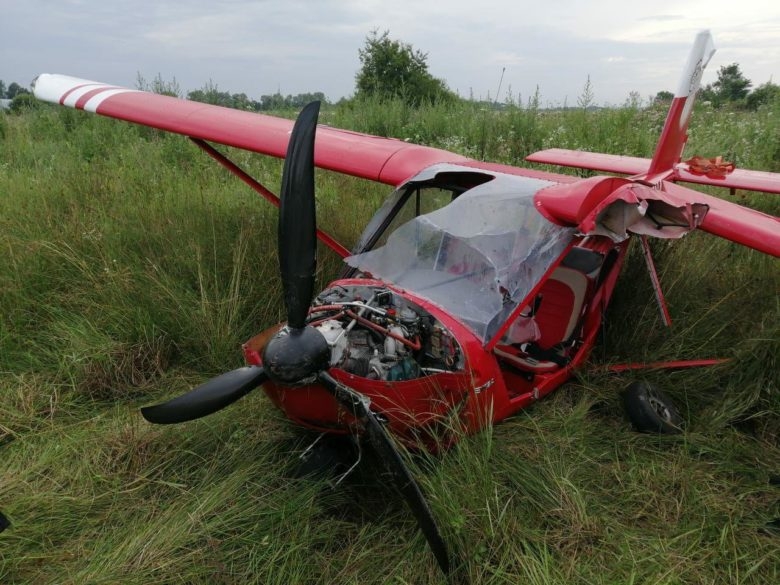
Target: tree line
(211, 94)
(391, 70)
(732, 88)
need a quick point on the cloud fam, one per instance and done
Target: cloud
(661, 18)
(259, 46)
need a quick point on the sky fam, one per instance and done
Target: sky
(259, 47)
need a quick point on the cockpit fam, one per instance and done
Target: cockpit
(470, 242)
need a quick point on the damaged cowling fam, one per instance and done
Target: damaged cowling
(614, 206)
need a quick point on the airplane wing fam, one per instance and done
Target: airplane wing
(632, 165)
(666, 163)
(386, 160)
(736, 179)
(392, 161)
(734, 222)
(594, 161)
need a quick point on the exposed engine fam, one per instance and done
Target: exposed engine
(376, 333)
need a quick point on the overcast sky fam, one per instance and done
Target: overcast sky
(295, 46)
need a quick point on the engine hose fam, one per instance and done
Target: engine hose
(413, 345)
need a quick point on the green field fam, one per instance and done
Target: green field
(132, 267)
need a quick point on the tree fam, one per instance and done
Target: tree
(272, 102)
(300, 100)
(763, 94)
(241, 101)
(731, 86)
(292, 102)
(14, 89)
(392, 70)
(2, 89)
(663, 97)
(210, 94)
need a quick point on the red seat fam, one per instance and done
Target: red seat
(563, 301)
(563, 297)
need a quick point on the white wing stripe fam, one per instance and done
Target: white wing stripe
(94, 102)
(74, 95)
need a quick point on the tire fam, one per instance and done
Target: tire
(650, 410)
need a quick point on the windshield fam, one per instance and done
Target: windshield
(478, 257)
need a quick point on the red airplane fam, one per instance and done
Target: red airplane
(475, 290)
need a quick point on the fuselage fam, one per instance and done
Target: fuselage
(426, 320)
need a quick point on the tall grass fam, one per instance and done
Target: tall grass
(132, 268)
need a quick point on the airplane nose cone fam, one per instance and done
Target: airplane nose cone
(294, 355)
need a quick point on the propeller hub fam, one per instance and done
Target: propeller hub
(293, 355)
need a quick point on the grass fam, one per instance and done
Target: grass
(132, 268)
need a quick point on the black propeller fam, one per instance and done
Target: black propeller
(299, 350)
(297, 231)
(207, 398)
(358, 404)
(299, 353)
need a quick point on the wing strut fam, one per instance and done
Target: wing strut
(325, 238)
(659, 293)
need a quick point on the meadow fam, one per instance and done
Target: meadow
(132, 267)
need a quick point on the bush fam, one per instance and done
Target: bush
(23, 102)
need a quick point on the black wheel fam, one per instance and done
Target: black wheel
(650, 410)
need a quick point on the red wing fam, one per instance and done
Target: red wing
(595, 161)
(632, 165)
(385, 160)
(736, 179)
(734, 222)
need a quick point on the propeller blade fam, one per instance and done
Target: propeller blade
(297, 221)
(382, 443)
(207, 398)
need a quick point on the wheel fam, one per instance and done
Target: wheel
(650, 410)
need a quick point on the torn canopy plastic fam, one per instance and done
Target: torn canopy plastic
(476, 258)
